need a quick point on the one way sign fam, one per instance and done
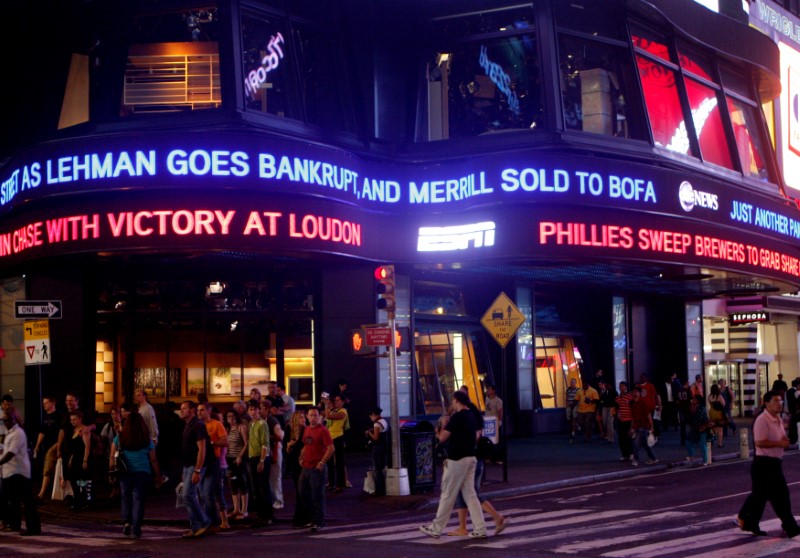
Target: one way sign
(33, 309)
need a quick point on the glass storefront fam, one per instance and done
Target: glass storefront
(181, 338)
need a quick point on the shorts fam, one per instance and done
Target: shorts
(572, 413)
(50, 458)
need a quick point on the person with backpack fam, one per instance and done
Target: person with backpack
(378, 447)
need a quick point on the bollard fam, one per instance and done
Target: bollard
(744, 444)
(709, 445)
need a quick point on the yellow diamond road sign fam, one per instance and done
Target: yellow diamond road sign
(503, 319)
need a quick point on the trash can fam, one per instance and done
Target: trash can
(417, 455)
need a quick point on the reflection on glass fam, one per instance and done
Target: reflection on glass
(266, 59)
(663, 106)
(557, 362)
(708, 124)
(596, 89)
(752, 152)
(484, 86)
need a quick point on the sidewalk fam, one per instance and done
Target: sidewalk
(544, 462)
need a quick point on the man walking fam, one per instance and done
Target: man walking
(211, 486)
(766, 472)
(15, 469)
(459, 469)
(194, 454)
(148, 413)
(45, 450)
(317, 451)
(587, 398)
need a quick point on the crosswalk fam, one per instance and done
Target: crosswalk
(607, 533)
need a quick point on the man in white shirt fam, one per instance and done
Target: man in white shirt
(148, 413)
(15, 468)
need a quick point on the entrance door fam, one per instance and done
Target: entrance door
(447, 360)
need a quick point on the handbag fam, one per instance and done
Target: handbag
(369, 482)
(707, 426)
(651, 440)
(59, 492)
(120, 465)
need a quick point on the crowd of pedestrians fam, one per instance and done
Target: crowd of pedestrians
(243, 455)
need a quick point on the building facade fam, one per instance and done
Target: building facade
(206, 188)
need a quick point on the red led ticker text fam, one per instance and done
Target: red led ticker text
(591, 235)
(179, 223)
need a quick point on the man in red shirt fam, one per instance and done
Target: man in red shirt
(317, 451)
(641, 427)
(624, 417)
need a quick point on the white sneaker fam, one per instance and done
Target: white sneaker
(429, 531)
(477, 535)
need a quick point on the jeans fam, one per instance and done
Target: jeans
(276, 477)
(693, 440)
(459, 477)
(336, 474)
(209, 488)
(191, 499)
(312, 494)
(641, 442)
(261, 489)
(133, 489)
(378, 453)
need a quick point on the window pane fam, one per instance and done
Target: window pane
(692, 61)
(266, 66)
(708, 124)
(663, 106)
(739, 84)
(753, 152)
(597, 89)
(484, 86)
(323, 79)
(173, 63)
(651, 44)
(590, 17)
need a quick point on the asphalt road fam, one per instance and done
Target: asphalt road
(677, 513)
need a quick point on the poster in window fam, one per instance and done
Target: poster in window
(253, 378)
(154, 381)
(194, 381)
(219, 381)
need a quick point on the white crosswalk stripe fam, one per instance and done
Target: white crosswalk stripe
(573, 531)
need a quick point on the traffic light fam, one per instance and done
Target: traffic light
(385, 288)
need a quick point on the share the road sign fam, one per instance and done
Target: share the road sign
(34, 309)
(37, 342)
(503, 319)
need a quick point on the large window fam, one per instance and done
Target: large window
(701, 107)
(295, 69)
(173, 62)
(485, 76)
(599, 93)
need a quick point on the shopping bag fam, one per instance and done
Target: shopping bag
(369, 482)
(59, 492)
(179, 503)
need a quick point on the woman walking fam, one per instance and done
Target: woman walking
(294, 447)
(76, 470)
(698, 429)
(132, 455)
(716, 413)
(237, 463)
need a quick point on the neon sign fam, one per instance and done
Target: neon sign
(257, 77)
(501, 79)
(458, 237)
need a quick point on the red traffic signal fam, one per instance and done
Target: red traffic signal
(384, 274)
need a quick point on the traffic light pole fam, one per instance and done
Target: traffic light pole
(394, 410)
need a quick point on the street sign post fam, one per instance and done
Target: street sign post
(37, 342)
(378, 336)
(35, 309)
